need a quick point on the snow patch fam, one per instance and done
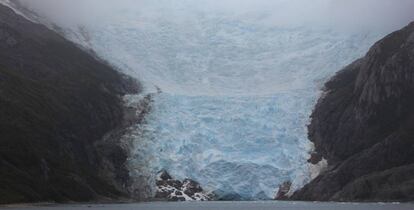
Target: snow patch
(316, 169)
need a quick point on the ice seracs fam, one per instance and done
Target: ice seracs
(236, 96)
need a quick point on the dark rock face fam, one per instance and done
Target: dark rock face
(56, 104)
(174, 190)
(364, 127)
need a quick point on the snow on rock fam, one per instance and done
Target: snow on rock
(175, 190)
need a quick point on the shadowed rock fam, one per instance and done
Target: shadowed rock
(57, 102)
(364, 127)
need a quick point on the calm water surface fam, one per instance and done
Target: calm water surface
(225, 206)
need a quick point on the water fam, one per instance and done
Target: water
(226, 206)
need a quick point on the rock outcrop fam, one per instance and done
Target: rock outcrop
(57, 102)
(364, 127)
(283, 192)
(175, 190)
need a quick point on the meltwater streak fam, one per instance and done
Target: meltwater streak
(236, 94)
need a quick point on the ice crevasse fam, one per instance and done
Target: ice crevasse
(235, 93)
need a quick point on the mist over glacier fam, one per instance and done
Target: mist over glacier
(238, 79)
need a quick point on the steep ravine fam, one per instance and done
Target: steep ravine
(63, 112)
(364, 127)
(57, 103)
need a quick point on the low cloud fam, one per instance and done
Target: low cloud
(337, 13)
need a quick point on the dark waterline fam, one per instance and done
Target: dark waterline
(226, 206)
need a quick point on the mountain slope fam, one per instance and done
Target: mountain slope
(56, 103)
(364, 127)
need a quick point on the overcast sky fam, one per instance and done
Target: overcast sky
(339, 13)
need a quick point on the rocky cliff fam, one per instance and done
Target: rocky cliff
(57, 102)
(364, 127)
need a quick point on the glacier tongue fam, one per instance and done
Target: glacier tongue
(235, 101)
(236, 93)
(244, 145)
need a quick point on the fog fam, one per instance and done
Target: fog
(366, 14)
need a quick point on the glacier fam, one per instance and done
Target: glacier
(232, 93)
(235, 97)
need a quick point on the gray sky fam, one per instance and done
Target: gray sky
(338, 13)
